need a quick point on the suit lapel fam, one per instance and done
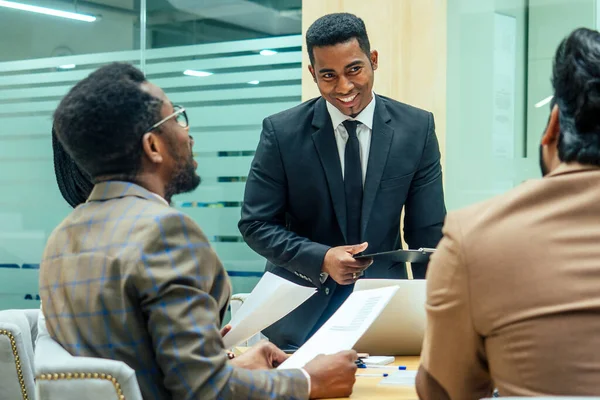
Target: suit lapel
(381, 139)
(324, 140)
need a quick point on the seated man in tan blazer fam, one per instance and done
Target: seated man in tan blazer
(126, 277)
(513, 299)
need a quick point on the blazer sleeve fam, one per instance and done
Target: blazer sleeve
(263, 214)
(178, 276)
(425, 208)
(453, 359)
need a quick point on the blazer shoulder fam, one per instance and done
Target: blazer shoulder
(301, 110)
(292, 119)
(482, 218)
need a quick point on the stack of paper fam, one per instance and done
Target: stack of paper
(345, 327)
(272, 299)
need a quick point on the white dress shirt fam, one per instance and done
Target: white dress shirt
(363, 132)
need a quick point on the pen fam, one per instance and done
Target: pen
(364, 366)
(373, 375)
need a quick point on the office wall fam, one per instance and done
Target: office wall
(226, 110)
(28, 36)
(550, 22)
(410, 36)
(499, 66)
(486, 95)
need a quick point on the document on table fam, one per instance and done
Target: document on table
(272, 299)
(345, 327)
(400, 378)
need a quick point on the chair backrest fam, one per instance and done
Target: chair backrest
(18, 329)
(236, 302)
(61, 376)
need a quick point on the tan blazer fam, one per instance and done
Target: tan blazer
(128, 278)
(513, 292)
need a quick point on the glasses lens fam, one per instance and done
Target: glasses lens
(182, 119)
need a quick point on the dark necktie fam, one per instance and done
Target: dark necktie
(353, 183)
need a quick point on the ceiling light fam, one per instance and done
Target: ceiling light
(191, 72)
(253, 82)
(267, 52)
(542, 103)
(47, 11)
(67, 66)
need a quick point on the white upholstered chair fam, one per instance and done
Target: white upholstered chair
(18, 330)
(61, 376)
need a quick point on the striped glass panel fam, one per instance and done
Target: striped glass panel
(226, 110)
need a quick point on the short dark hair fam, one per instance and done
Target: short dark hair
(102, 119)
(332, 29)
(576, 83)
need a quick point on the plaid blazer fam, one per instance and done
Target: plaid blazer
(127, 278)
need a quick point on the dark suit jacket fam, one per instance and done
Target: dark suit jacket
(294, 206)
(126, 277)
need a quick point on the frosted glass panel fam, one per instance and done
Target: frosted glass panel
(225, 109)
(499, 65)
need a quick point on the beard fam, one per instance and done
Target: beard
(184, 179)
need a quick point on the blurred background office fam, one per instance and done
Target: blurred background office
(482, 67)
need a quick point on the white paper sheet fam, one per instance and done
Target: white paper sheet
(400, 378)
(272, 299)
(345, 327)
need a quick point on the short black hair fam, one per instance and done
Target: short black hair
(576, 83)
(102, 119)
(332, 29)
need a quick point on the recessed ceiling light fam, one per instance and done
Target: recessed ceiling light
(47, 11)
(191, 72)
(542, 103)
(267, 52)
(67, 66)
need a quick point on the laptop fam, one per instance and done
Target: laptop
(399, 329)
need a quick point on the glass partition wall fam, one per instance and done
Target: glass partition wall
(499, 66)
(230, 64)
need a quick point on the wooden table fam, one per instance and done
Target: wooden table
(368, 389)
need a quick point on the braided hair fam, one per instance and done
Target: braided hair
(74, 184)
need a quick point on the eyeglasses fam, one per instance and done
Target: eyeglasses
(179, 114)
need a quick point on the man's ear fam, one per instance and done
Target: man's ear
(553, 129)
(312, 72)
(374, 59)
(153, 147)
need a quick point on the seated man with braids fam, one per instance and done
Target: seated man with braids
(128, 278)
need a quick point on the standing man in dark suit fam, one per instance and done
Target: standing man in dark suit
(330, 178)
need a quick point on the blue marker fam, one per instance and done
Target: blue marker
(399, 367)
(373, 375)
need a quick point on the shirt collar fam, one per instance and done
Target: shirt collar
(162, 200)
(566, 168)
(365, 117)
